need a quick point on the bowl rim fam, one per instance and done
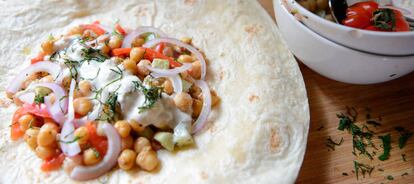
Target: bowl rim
(321, 20)
(334, 44)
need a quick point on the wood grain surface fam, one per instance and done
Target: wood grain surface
(392, 101)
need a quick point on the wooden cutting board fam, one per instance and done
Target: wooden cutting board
(393, 101)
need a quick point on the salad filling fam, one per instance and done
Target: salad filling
(95, 98)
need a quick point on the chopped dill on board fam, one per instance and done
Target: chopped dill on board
(386, 144)
(363, 169)
(404, 136)
(331, 143)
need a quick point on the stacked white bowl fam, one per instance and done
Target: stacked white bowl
(343, 53)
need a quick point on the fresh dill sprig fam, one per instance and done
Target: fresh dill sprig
(152, 94)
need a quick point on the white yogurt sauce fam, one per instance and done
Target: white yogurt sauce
(109, 77)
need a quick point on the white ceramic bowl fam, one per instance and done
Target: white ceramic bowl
(335, 61)
(385, 43)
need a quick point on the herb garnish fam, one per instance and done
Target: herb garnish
(404, 174)
(344, 174)
(72, 141)
(363, 168)
(152, 94)
(39, 99)
(386, 144)
(331, 144)
(404, 136)
(96, 153)
(389, 177)
(110, 108)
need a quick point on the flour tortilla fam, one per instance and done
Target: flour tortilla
(257, 134)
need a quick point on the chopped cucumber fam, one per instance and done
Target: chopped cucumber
(165, 139)
(182, 136)
(160, 63)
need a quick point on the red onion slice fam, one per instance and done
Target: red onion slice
(201, 121)
(58, 109)
(175, 79)
(68, 146)
(179, 43)
(26, 97)
(170, 72)
(83, 173)
(43, 66)
(139, 31)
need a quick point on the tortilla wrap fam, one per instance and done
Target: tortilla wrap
(257, 135)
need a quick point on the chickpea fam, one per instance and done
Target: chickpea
(147, 160)
(195, 91)
(214, 98)
(45, 152)
(104, 48)
(195, 70)
(186, 40)
(168, 87)
(29, 80)
(197, 106)
(185, 59)
(127, 142)
(136, 126)
(91, 156)
(142, 69)
(130, 65)
(30, 137)
(48, 47)
(82, 106)
(76, 30)
(136, 54)
(137, 42)
(183, 101)
(47, 135)
(115, 42)
(127, 159)
(47, 78)
(82, 134)
(141, 143)
(66, 82)
(123, 128)
(85, 88)
(26, 121)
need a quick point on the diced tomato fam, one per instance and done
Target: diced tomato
(96, 22)
(37, 110)
(37, 58)
(53, 163)
(121, 52)
(15, 132)
(120, 29)
(100, 143)
(160, 47)
(151, 54)
(95, 28)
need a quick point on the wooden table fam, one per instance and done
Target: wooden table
(393, 101)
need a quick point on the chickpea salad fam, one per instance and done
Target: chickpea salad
(100, 97)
